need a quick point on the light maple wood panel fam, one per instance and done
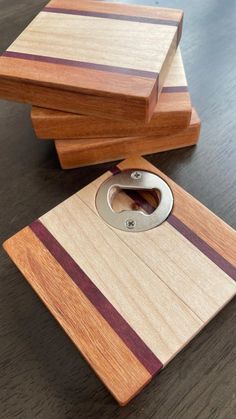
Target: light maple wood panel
(96, 40)
(162, 320)
(176, 76)
(129, 301)
(194, 278)
(83, 152)
(94, 53)
(172, 111)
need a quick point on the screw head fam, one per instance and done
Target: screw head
(136, 175)
(130, 224)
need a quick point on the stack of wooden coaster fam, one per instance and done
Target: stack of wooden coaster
(106, 80)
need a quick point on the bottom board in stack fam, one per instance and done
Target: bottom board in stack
(172, 113)
(84, 152)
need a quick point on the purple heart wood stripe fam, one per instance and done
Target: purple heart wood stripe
(141, 201)
(197, 241)
(140, 19)
(81, 64)
(135, 344)
(174, 89)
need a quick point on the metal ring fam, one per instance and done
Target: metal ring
(128, 220)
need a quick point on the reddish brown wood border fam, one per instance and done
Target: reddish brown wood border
(114, 16)
(136, 345)
(189, 234)
(81, 64)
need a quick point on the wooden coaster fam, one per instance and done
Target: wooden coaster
(173, 110)
(84, 152)
(95, 58)
(129, 301)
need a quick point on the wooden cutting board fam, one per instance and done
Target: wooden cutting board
(91, 57)
(84, 152)
(172, 112)
(129, 301)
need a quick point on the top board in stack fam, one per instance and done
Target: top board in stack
(130, 301)
(172, 112)
(90, 57)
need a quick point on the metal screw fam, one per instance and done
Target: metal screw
(136, 175)
(130, 224)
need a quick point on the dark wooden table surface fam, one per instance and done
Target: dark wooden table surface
(42, 375)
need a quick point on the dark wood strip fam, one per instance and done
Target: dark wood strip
(204, 247)
(141, 201)
(174, 89)
(81, 64)
(114, 16)
(114, 170)
(105, 308)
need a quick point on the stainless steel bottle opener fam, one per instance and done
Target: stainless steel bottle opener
(128, 220)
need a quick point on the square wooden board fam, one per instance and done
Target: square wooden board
(129, 301)
(173, 111)
(85, 152)
(91, 57)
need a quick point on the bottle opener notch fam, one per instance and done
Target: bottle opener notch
(134, 220)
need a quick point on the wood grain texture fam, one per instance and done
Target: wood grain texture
(170, 322)
(162, 298)
(210, 230)
(79, 318)
(168, 251)
(96, 54)
(42, 372)
(84, 152)
(172, 111)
